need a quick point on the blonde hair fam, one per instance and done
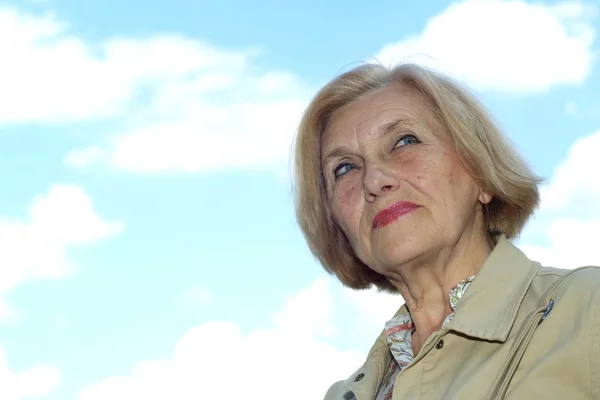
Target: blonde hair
(482, 149)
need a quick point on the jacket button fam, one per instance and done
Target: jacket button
(359, 377)
(439, 344)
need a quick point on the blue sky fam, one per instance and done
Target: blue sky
(148, 247)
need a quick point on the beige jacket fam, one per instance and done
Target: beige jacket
(499, 345)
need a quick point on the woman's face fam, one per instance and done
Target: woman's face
(394, 183)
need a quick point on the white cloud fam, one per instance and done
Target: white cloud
(36, 381)
(50, 75)
(309, 311)
(575, 180)
(205, 120)
(216, 360)
(251, 134)
(373, 309)
(37, 247)
(177, 103)
(570, 210)
(573, 243)
(505, 46)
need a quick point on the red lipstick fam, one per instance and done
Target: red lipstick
(392, 213)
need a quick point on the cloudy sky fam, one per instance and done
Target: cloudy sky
(148, 248)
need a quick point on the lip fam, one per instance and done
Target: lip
(392, 213)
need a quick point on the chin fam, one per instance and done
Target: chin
(399, 243)
(398, 255)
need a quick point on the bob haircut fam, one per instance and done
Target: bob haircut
(481, 148)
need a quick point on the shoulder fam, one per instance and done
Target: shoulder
(583, 280)
(572, 289)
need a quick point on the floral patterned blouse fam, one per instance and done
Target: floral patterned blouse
(399, 337)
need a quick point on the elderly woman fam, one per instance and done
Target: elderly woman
(403, 181)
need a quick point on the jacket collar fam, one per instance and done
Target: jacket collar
(489, 307)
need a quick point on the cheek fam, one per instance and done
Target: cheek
(346, 206)
(453, 188)
(436, 174)
(423, 175)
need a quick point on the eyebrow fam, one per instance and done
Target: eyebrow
(391, 126)
(337, 152)
(383, 130)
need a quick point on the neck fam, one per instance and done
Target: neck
(425, 284)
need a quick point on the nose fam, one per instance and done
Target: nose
(378, 181)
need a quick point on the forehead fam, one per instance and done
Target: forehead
(371, 113)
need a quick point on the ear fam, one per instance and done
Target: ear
(484, 197)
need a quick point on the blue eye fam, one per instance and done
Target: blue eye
(342, 169)
(406, 140)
